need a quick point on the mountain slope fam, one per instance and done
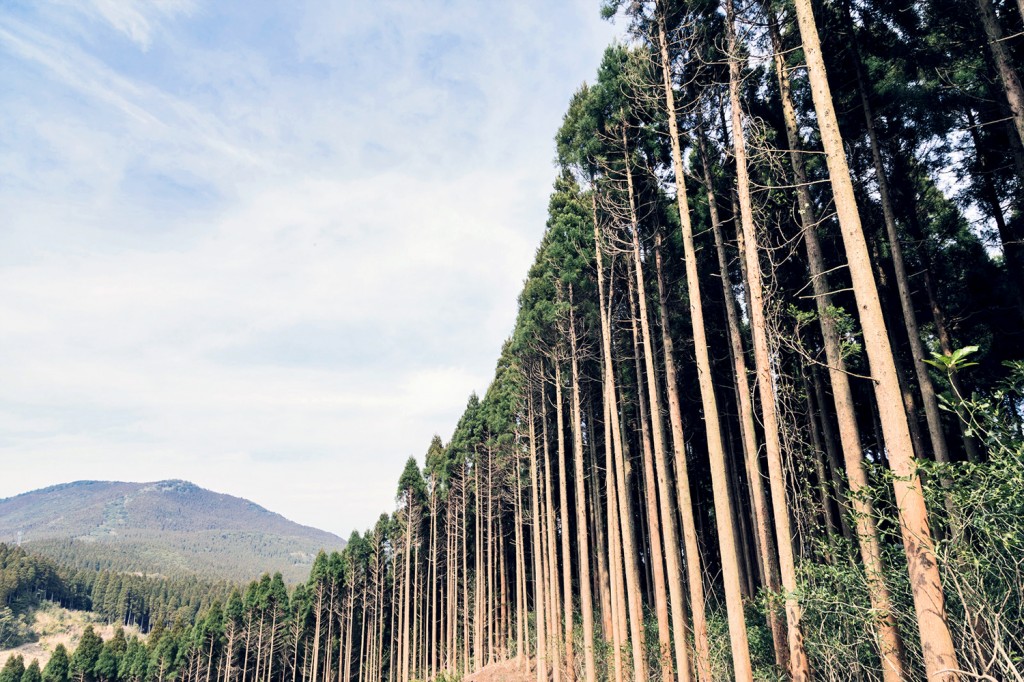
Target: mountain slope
(164, 527)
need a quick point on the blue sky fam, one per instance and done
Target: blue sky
(267, 247)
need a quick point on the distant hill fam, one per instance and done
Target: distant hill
(166, 527)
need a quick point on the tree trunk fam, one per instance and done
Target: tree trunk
(926, 586)
(1008, 75)
(554, 592)
(917, 350)
(891, 645)
(716, 453)
(611, 444)
(582, 533)
(657, 561)
(799, 665)
(748, 434)
(630, 587)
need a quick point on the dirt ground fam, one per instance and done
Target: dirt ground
(503, 671)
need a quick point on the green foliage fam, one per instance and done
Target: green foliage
(13, 669)
(32, 673)
(87, 653)
(58, 668)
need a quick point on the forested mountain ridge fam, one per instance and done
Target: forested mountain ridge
(167, 527)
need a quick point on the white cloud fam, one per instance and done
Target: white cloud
(271, 252)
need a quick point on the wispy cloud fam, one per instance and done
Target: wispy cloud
(270, 248)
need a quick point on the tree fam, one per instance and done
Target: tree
(926, 585)
(58, 668)
(83, 662)
(13, 669)
(32, 673)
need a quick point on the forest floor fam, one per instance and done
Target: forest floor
(55, 625)
(503, 671)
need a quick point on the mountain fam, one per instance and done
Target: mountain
(166, 527)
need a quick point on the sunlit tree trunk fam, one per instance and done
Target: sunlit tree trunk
(716, 452)
(582, 532)
(799, 664)
(657, 564)
(926, 586)
(891, 645)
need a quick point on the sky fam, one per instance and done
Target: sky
(270, 248)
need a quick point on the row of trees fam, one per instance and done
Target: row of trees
(761, 412)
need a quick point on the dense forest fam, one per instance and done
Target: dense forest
(27, 580)
(761, 414)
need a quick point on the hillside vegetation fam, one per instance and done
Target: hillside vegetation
(167, 527)
(52, 625)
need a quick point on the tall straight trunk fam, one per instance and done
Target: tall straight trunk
(563, 512)
(502, 633)
(348, 635)
(435, 605)
(615, 582)
(229, 649)
(891, 645)
(379, 646)
(758, 496)
(362, 630)
(478, 574)
(601, 540)
(316, 629)
(742, 669)
(629, 585)
(465, 581)
(917, 349)
(549, 576)
(1008, 76)
(693, 559)
(539, 604)
(521, 657)
(554, 591)
(406, 596)
(452, 593)
(665, 493)
(582, 531)
(832, 447)
(926, 585)
(821, 469)
(799, 664)
(414, 657)
(270, 646)
(650, 496)
(489, 603)
(939, 319)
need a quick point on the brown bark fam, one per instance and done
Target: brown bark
(582, 532)
(716, 452)
(665, 493)
(758, 495)
(650, 496)
(1008, 76)
(891, 645)
(917, 350)
(539, 603)
(554, 590)
(926, 586)
(630, 588)
(616, 587)
(799, 664)
(563, 510)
